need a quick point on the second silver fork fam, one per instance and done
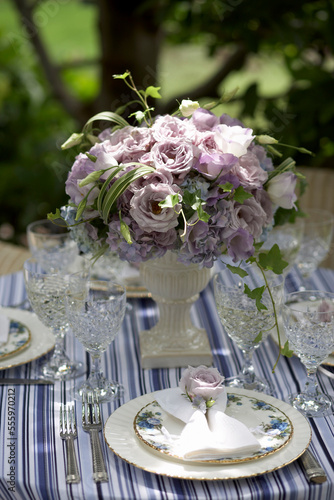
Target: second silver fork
(68, 432)
(91, 422)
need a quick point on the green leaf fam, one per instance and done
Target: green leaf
(196, 203)
(153, 92)
(202, 214)
(54, 216)
(105, 186)
(286, 351)
(240, 195)
(258, 338)
(170, 201)
(237, 270)
(120, 185)
(256, 294)
(273, 260)
(227, 187)
(104, 116)
(258, 245)
(121, 77)
(125, 231)
(81, 208)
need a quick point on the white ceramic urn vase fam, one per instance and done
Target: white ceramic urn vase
(174, 341)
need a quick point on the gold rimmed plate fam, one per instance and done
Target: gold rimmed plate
(19, 337)
(121, 438)
(270, 426)
(41, 338)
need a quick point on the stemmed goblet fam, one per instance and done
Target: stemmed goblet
(95, 311)
(308, 318)
(51, 245)
(244, 322)
(289, 238)
(316, 242)
(46, 293)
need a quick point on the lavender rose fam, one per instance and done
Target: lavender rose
(281, 190)
(175, 155)
(147, 212)
(250, 172)
(202, 382)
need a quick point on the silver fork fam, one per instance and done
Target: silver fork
(91, 422)
(68, 431)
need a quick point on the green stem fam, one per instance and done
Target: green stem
(275, 315)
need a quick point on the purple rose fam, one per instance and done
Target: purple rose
(250, 216)
(239, 243)
(281, 190)
(129, 143)
(204, 120)
(203, 382)
(175, 155)
(215, 165)
(250, 172)
(147, 212)
(80, 169)
(228, 120)
(234, 140)
(161, 176)
(169, 127)
(265, 161)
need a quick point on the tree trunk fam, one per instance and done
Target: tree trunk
(130, 40)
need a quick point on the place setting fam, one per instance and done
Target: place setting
(227, 433)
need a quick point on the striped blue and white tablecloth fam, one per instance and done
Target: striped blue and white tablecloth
(38, 453)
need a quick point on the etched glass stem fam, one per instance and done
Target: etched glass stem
(311, 385)
(248, 368)
(96, 374)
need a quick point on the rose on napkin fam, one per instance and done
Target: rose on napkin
(202, 386)
(200, 402)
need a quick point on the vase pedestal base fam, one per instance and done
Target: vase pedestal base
(174, 353)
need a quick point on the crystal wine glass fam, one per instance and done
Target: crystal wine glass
(46, 293)
(51, 245)
(95, 310)
(289, 238)
(316, 242)
(308, 318)
(244, 323)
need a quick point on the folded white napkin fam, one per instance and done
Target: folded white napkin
(213, 435)
(4, 328)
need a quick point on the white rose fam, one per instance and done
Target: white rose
(234, 140)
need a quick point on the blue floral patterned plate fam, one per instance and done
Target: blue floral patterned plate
(18, 338)
(271, 427)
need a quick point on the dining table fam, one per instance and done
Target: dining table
(33, 456)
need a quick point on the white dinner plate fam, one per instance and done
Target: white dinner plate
(19, 337)
(41, 341)
(121, 438)
(269, 425)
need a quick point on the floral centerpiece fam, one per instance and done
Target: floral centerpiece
(200, 185)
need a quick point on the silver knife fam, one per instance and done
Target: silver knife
(313, 470)
(23, 381)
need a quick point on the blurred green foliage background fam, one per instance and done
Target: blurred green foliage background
(285, 83)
